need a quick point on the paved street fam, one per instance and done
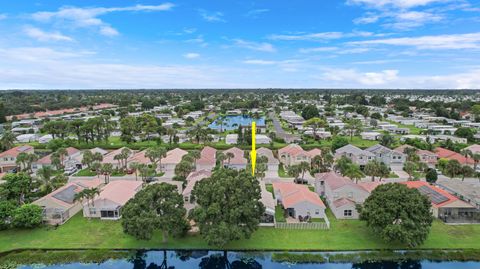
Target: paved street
(289, 138)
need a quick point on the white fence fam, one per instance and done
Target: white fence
(303, 225)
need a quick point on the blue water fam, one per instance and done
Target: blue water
(232, 122)
(239, 260)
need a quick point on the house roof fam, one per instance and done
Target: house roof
(174, 156)
(370, 186)
(295, 150)
(293, 194)
(269, 154)
(351, 149)
(452, 155)
(336, 181)
(437, 196)
(140, 157)
(474, 148)
(193, 178)
(238, 156)
(119, 191)
(13, 152)
(207, 156)
(108, 158)
(342, 201)
(381, 149)
(401, 149)
(65, 195)
(48, 159)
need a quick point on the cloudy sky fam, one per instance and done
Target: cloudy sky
(240, 44)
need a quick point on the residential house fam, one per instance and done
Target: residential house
(108, 204)
(173, 158)
(68, 160)
(373, 136)
(268, 217)
(298, 201)
(357, 155)
(8, 159)
(208, 159)
(272, 164)
(452, 155)
(60, 205)
(192, 179)
(110, 157)
(231, 139)
(342, 194)
(293, 154)
(446, 206)
(426, 156)
(387, 156)
(238, 161)
(475, 149)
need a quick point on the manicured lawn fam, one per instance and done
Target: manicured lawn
(413, 130)
(282, 172)
(279, 214)
(343, 235)
(86, 172)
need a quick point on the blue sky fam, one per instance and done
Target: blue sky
(240, 44)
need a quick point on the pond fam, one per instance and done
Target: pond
(232, 122)
(240, 260)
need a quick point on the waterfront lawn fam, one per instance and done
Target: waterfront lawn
(80, 232)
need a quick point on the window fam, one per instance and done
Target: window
(92, 211)
(347, 213)
(317, 212)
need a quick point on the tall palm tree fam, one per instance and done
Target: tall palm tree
(304, 167)
(229, 156)
(195, 155)
(62, 153)
(220, 121)
(221, 158)
(156, 154)
(8, 140)
(135, 167)
(106, 169)
(353, 126)
(44, 174)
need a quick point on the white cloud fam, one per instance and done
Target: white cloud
(394, 3)
(211, 16)
(88, 17)
(254, 13)
(41, 35)
(318, 49)
(191, 55)
(412, 19)
(456, 41)
(321, 36)
(3, 16)
(260, 62)
(258, 46)
(361, 78)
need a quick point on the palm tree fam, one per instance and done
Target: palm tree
(354, 173)
(44, 175)
(221, 158)
(220, 121)
(125, 153)
(62, 153)
(8, 140)
(156, 154)
(87, 158)
(171, 133)
(197, 132)
(106, 169)
(466, 153)
(229, 156)
(195, 155)
(135, 167)
(353, 126)
(304, 167)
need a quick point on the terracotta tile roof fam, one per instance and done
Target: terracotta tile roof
(474, 148)
(336, 181)
(48, 159)
(13, 152)
(77, 186)
(119, 191)
(238, 156)
(370, 186)
(418, 184)
(108, 158)
(269, 154)
(139, 157)
(292, 149)
(174, 156)
(293, 194)
(452, 155)
(207, 156)
(193, 178)
(342, 201)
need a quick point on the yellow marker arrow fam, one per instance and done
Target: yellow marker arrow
(253, 153)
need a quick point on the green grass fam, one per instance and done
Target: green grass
(279, 214)
(86, 172)
(413, 130)
(343, 235)
(281, 171)
(393, 175)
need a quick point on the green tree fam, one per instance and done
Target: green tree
(339, 142)
(354, 127)
(387, 140)
(16, 187)
(27, 216)
(8, 140)
(354, 173)
(431, 175)
(310, 111)
(229, 206)
(156, 154)
(44, 175)
(6, 214)
(156, 207)
(398, 214)
(342, 164)
(315, 123)
(410, 167)
(453, 168)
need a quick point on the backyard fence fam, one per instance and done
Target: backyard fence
(303, 225)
